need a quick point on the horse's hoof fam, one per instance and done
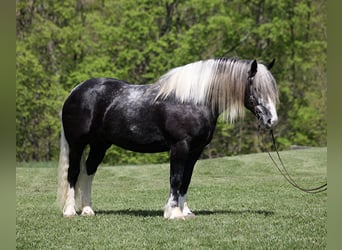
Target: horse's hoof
(177, 217)
(173, 213)
(187, 212)
(69, 212)
(87, 211)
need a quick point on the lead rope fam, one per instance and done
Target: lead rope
(285, 173)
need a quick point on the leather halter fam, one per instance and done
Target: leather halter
(252, 100)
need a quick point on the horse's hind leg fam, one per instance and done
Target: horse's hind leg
(83, 190)
(75, 155)
(86, 176)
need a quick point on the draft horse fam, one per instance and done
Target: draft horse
(178, 114)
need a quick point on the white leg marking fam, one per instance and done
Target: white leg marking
(87, 211)
(184, 207)
(172, 210)
(173, 213)
(69, 207)
(83, 190)
(86, 196)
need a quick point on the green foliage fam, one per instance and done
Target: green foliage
(240, 202)
(116, 155)
(62, 43)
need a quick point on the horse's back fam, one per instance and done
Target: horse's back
(95, 87)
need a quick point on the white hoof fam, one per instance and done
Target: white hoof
(173, 213)
(69, 211)
(87, 211)
(187, 212)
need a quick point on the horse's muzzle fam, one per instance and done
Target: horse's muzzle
(265, 118)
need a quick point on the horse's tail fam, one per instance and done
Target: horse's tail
(63, 167)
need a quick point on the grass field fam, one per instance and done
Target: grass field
(240, 202)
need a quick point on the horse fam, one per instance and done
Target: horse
(178, 113)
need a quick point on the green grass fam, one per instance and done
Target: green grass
(240, 202)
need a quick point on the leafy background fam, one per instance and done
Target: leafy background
(62, 43)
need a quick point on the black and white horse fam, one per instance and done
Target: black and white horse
(178, 113)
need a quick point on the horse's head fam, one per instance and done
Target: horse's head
(261, 95)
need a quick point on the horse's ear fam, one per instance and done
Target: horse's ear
(254, 68)
(270, 65)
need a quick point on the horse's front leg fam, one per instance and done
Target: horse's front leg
(172, 209)
(179, 211)
(178, 157)
(189, 167)
(183, 205)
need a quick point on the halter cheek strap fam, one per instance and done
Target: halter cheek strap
(252, 100)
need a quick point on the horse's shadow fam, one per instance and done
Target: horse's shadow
(159, 213)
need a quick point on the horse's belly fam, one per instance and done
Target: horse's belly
(138, 138)
(143, 148)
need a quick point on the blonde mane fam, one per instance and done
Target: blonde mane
(220, 83)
